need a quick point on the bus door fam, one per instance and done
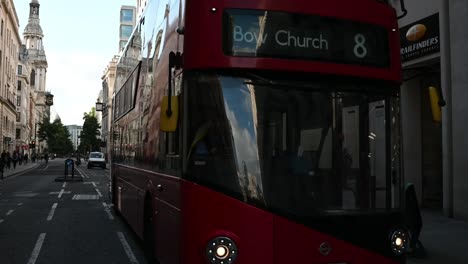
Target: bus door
(366, 147)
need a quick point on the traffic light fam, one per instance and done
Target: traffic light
(32, 144)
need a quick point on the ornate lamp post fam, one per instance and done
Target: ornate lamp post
(99, 106)
(49, 99)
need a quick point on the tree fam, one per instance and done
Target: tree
(44, 131)
(89, 136)
(56, 135)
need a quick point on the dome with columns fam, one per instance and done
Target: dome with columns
(33, 28)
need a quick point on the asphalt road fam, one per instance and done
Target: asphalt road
(48, 222)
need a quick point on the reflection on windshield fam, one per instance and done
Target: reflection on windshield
(296, 150)
(239, 100)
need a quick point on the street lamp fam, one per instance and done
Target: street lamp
(99, 106)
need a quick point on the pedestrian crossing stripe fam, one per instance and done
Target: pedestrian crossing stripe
(85, 197)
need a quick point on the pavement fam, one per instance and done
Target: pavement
(7, 173)
(445, 240)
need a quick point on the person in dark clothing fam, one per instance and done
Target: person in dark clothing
(8, 159)
(15, 159)
(2, 163)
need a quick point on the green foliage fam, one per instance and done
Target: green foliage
(57, 136)
(90, 134)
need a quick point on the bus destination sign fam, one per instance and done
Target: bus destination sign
(252, 33)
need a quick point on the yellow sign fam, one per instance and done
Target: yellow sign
(435, 107)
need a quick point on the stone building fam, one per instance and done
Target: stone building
(10, 43)
(32, 37)
(127, 23)
(24, 101)
(433, 47)
(108, 80)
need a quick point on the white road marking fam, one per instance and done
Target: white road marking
(64, 184)
(82, 173)
(52, 211)
(85, 197)
(37, 249)
(20, 204)
(92, 182)
(1, 221)
(106, 208)
(99, 193)
(10, 212)
(127, 248)
(46, 167)
(61, 193)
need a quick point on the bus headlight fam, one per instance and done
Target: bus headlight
(399, 240)
(221, 250)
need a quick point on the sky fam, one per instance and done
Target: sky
(80, 39)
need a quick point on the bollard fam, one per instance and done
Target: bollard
(69, 164)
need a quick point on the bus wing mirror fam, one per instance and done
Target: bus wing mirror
(435, 105)
(169, 116)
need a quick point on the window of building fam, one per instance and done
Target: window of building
(19, 85)
(18, 133)
(18, 117)
(33, 78)
(122, 44)
(18, 100)
(20, 69)
(126, 15)
(125, 31)
(1, 30)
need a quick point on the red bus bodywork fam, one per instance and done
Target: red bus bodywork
(203, 49)
(186, 215)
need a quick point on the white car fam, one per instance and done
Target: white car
(96, 159)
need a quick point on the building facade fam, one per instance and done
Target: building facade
(108, 80)
(127, 22)
(24, 99)
(10, 42)
(75, 132)
(141, 6)
(433, 100)
(33, 39)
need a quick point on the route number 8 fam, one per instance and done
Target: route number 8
(360, 49)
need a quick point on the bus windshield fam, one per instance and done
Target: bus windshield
(300, 148)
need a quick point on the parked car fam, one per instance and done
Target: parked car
(96, 159)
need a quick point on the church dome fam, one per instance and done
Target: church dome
(33, 29)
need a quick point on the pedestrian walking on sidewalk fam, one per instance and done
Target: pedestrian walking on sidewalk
(8, 159)
(15, 159)
(2, 163)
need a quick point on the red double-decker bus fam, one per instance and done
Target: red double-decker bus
(261, 132)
